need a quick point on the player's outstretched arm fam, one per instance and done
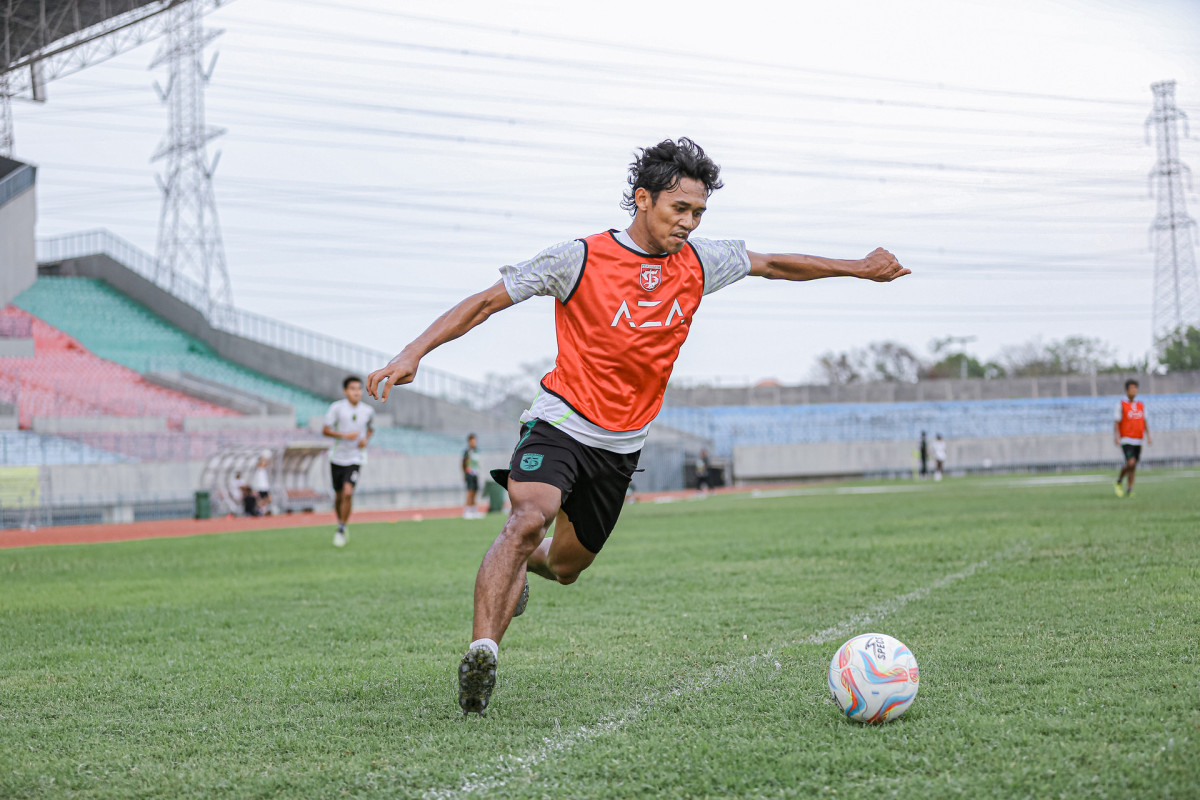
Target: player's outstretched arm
(449, 326)
(879, 265)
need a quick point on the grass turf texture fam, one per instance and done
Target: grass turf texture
(270, 664)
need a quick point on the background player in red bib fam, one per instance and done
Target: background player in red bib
(625, 304)
(1130, 431)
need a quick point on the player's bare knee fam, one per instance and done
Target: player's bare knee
(565, 576)
(526, 527)
(564, 571)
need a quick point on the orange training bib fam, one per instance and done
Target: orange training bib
(620, 330)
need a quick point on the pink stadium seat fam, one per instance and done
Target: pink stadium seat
(64, 379)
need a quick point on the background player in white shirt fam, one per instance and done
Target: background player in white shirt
(939, 457)
(352, 423)
(260, 482)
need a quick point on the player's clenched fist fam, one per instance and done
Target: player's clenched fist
(880, 265)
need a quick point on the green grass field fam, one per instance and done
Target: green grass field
(1057, 630)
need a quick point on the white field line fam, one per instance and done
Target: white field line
(1012, 483)
(1152, 475)
(507, 767)
(1055, 480)
(898, 488)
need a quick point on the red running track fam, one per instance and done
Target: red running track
(159, 529)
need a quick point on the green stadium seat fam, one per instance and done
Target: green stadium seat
(118, 329)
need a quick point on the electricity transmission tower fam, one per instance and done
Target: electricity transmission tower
(1176, 286)
(189, 233)
(44, 40)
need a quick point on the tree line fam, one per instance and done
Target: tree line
(1074, 355)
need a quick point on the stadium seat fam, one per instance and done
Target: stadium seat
(28, 449)
(124, 334)
(728, 426)
(63, 379)
(120, 330)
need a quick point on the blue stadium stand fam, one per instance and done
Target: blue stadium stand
(26, 449)
(728, 426)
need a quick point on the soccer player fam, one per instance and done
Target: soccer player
(702, 482)
(625, 303)
(1130, 430)
(939, 456)
(260, 482)
(242, 495)
(470, 468)
(352, 423)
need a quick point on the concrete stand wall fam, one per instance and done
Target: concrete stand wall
(18, 218)
(934, 390)
(830, 459)
(404, 476)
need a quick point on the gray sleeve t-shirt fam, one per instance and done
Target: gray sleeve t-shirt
(555, 271)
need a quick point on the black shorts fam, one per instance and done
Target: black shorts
(592, 481)
(472, 483)
(1133, 451)
(343, 474)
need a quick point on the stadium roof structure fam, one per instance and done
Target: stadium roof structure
(46, 39)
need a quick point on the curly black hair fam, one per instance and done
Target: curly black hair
(660, 167)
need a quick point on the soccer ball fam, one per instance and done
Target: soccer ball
(873, 678)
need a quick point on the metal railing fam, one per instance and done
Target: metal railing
(91, 510)
(264, 330)
(16, 182)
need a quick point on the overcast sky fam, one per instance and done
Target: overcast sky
(383, 160)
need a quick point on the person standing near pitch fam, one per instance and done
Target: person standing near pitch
(470, 468)
(352, 423)
(939, 456)
(1130, 431)
(625, 303)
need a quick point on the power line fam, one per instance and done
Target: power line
(726, 58)
(591, 69)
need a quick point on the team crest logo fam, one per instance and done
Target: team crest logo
(531, 461)
(651, 276)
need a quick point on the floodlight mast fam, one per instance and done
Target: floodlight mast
(6, 119)
(6, 93)
(1176, 286)
(190, 249)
